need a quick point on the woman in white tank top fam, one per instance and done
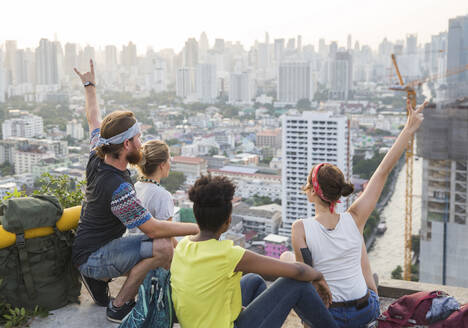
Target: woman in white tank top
(333, 244)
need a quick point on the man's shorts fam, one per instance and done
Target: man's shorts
(117, 257)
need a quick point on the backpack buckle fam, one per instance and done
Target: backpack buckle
(20, 241)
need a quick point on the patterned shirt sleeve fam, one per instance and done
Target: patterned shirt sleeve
(95, 134)
(127, 207)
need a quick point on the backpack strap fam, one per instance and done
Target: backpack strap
(24, 264)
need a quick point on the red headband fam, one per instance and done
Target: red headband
(318, 190)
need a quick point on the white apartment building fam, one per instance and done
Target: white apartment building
(264, 219)
(206, 83)
(75, 130)
(24, 161)
(3, 86)
(25, 126)
(250, 183)
(296, 81)
(191, 167)
(241, 88)
(24, 153)
(185, 82)
(309, 139)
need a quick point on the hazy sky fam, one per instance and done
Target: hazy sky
(167, 24)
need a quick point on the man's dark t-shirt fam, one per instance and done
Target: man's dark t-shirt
(110, 207)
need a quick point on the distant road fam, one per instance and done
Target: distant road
(388, 250)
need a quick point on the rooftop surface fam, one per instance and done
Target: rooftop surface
(89, 315)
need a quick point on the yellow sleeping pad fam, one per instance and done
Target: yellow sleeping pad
(67, 221)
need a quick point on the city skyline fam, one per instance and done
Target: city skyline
(244, 22)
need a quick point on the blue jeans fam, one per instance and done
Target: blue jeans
(269, 307)
(350, 317)
(117, 257)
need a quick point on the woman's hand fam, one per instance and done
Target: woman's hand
(415, 117)
(324, 291)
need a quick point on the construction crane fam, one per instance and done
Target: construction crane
(409, 88)
(411, 94)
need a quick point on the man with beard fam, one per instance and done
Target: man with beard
(100, 251)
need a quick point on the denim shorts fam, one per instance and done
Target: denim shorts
(117, 257)
(351, 317)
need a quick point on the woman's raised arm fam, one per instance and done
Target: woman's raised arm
(365, 204)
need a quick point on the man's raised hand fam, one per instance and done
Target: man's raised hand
(88, 76)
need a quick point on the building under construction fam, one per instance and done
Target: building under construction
(443, 144)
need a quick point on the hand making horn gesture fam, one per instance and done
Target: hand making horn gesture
(415, 116)
(88, 76)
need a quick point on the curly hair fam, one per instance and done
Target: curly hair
(212, 201)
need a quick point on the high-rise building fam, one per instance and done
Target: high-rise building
(263, 56)
(26, 126)
(241, 88)
(333, 49)
(185, 82)
(296, 81)
(219, 45)
(291, 44)
(75, 130)
(111, 57)
(2, 79)
(191, 53)
(323, 49)
(349, 42)
(158, 75)
(341, 75)
(299, 43)
(203, 46)
(279, 50)
(309, 139)
(47, 72)
(9, 61)
(24, 66)
(443, 145)
(71, 58)
(129, 55)
(206, 83)
(457, 56)
(89, 53)
(438, 55)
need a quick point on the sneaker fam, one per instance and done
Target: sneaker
(117, 314)
(98, 289)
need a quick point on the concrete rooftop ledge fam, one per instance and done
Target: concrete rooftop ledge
(87, 314)
(396, 288)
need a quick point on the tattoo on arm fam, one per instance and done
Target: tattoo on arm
(307, 256)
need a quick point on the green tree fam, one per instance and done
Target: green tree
(65, 188)
(174, 141)
(174, 181)
(7, 169)
(415, 244)
(303, 103)
(397, 273)
(213, 151)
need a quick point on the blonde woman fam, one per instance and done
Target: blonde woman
(154, 166)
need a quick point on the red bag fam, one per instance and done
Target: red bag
(408, 310)
(458, 319)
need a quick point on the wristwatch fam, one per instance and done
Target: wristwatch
(87, 84)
